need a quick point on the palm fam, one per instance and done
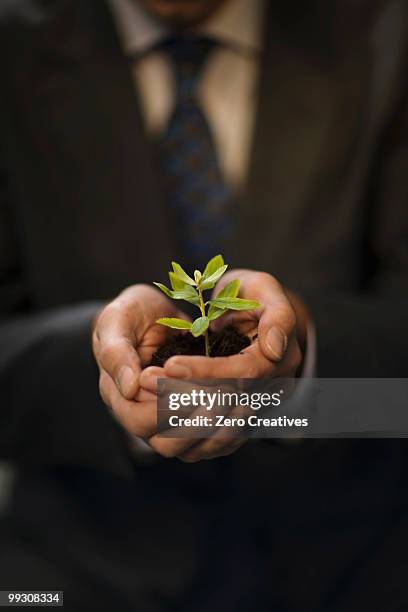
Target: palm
(245, 322)
(151, 335)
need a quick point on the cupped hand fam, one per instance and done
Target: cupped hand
(124, 338)
(277, 330)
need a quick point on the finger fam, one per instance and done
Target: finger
(250, 363)
(245, 321)
(289, 366)
(138, 418)
(211, 449)
(145, 396)
(115, 352)
(177, 447)
(170, 447)
(149, 376)
(277, 318)
(224, 442)
(276, 326)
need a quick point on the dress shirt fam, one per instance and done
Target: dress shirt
(228, 85)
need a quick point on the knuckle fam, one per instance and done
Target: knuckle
(137, 430)
(261, 279)
(268, 280)
(108, 351)
(266, 277)
(165, 449)
(120, 309)
(116, 306)
(104, 316)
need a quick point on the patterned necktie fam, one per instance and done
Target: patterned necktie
(197, 196)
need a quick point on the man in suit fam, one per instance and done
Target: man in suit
(312, 150)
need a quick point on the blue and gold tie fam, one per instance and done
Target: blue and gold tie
(197, 196)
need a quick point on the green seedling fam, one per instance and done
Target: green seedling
(191, 290)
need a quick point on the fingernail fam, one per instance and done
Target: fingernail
(277, 342)
(179, 371)
(126, 380)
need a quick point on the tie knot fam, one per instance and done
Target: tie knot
(188, 55)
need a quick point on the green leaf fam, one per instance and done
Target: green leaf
(174, 323)
(165, 290)
(179, 272)
(231, 289)
(230, 303)
(213, 265)
(210, 282)
(199, 326)
(176, 283)
(179, 285)
(183, 295)
(188, 293)
(193, 300)
(214, 312)
(197, 276)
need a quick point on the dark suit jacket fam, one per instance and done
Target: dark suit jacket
(82, 216)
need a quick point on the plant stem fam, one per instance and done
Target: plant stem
(207, 344)
(202, 309)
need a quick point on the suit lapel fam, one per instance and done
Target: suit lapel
(95, 218)
(309, 114)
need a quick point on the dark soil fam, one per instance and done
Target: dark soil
(227, 342)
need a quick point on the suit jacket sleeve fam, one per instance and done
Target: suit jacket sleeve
(366, 334)
(50, 408)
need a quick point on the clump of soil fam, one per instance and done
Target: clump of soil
(224, 343)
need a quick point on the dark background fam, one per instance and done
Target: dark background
(319, 526)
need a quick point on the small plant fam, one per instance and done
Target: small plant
(191, 290)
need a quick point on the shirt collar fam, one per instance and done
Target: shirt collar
(238, 23)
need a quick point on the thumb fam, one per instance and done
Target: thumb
(276, 324)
